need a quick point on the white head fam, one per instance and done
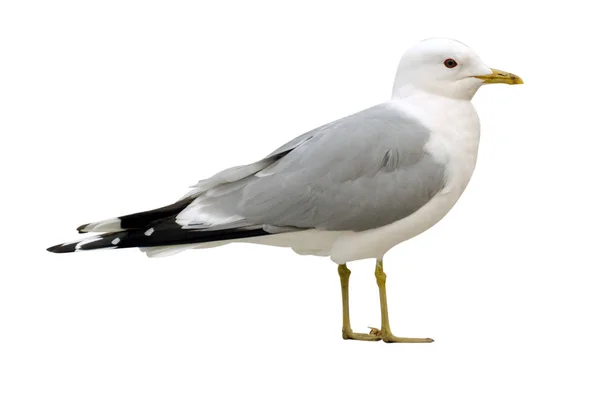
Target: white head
(445, 67)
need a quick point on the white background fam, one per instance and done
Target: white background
(117, 106)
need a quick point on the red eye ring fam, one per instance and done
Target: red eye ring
(450, 63)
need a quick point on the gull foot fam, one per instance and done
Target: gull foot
(348, 334)
(388, 337)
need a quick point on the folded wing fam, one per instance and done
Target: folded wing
(361, 172)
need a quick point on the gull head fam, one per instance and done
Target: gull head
(445, 67)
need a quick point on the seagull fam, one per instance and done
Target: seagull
(351, 189)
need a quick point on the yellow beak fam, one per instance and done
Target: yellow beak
(499, 76)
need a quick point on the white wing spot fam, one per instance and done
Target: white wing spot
(86, 241)
(115, 241)
(149, 232)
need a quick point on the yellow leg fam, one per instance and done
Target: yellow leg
(347, 333)
(386, 333)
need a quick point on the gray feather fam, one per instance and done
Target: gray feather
(361, 172)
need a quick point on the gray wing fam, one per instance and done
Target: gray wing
(361, 172)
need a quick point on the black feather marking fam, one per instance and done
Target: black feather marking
(60, 248)
(143, 219)
(167, 233)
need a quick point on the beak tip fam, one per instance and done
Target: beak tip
(498, 76)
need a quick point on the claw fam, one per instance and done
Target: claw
(375, 331)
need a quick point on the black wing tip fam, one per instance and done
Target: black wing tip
(61, 248)
(171, 235)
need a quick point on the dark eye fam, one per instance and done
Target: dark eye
(450, 63)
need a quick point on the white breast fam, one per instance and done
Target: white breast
(454, 141)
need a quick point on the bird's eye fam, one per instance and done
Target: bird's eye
(450, 63)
